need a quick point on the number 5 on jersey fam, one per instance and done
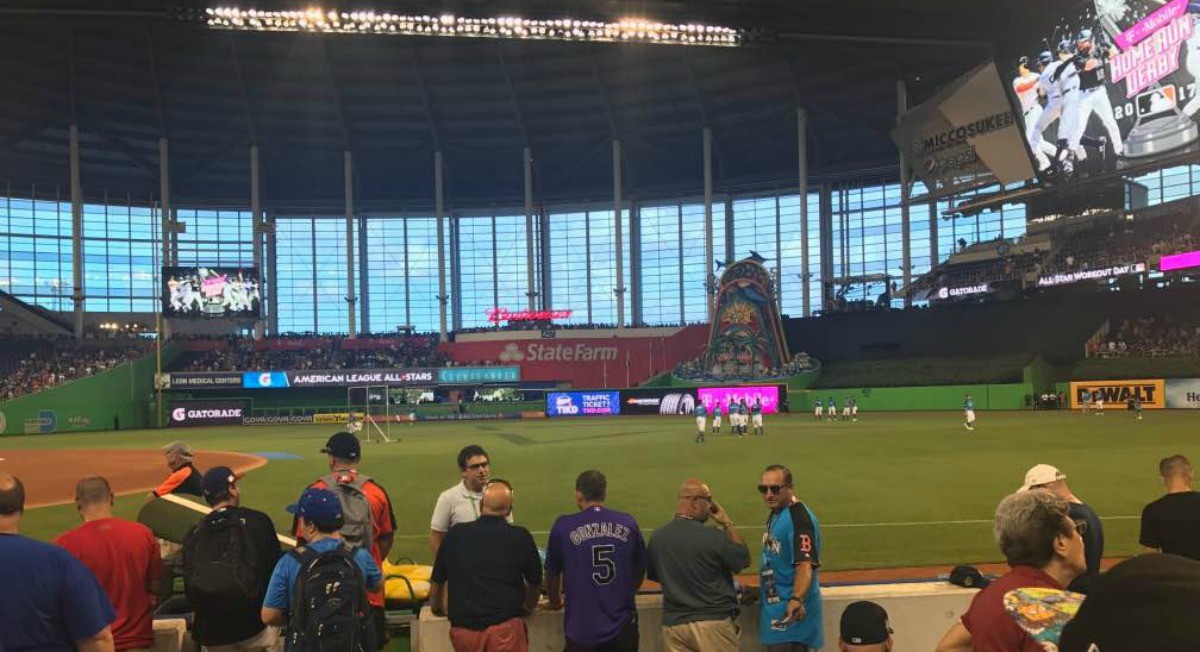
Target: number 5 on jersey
(604, 567)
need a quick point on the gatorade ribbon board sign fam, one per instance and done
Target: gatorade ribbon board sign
(583, 404)
(194, 414)
(1117, 393)
(768, 394)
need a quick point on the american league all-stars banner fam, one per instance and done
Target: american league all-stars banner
(967, 136)
(1111, 86)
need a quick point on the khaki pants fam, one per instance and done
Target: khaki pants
(702, 636)
(265, 641)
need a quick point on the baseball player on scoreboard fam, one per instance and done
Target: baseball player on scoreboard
(1047, 88)
(1093, 96)
(1066, 76)
(1028, 86)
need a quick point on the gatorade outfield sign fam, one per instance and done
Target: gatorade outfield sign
(194, 414)
(1116, 393)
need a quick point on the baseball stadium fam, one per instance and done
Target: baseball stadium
(913, 278)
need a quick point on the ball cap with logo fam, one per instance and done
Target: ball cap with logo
(344, 445)
(318, 506)
(1039, 475)
(865, 623)
(218, 480)
(1146, 603)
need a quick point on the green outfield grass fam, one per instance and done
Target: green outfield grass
(890, 490)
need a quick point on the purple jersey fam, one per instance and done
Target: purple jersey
(601, 554)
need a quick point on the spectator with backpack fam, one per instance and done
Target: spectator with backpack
(319, 590)
(367, 516)
(227, 560)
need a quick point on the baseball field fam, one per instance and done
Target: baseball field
(892, 490)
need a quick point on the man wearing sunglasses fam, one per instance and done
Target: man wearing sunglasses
(460, 503)
(790, 612)
(695, 565)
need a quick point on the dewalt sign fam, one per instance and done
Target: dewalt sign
(1117, 393)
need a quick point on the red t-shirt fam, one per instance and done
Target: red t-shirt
(992, 629)
(383, 522)
(123, 556)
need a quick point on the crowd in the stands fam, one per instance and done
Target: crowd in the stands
(241, 354)
(29, 365)
(1149, 336)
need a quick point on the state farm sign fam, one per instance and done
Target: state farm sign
(557, 353)
(605, 361)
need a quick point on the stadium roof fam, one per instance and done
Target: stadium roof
(129, 73)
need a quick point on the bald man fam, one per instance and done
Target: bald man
(51, 600)
(492, 572)
(124, 557)
(695, 565)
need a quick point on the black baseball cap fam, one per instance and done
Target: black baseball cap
(865, 623)
(344, 445)
(1148, 602)
(217, 481)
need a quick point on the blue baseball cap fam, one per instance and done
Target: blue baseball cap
(318, 506)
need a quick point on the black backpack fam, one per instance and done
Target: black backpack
(330, 610)
(219, 565)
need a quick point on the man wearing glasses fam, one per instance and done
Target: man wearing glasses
(1043, 547)
(1044, 476)
(695, 565)
(790, 613)
(460, 503)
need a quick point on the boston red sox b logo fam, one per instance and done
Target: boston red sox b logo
(805, 543)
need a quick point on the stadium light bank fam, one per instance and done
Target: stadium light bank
(320, 20)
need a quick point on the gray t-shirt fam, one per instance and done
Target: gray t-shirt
(695, 565)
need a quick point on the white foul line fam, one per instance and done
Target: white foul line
(972, 521)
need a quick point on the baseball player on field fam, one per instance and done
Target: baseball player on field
(756, 413)
(716, 423)
(701, 420)
(819, 409)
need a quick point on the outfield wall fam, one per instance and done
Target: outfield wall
(899, 399)
(124, 394)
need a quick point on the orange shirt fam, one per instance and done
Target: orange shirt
(186, 480)
(383, 523)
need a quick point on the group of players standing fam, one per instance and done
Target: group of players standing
(1072, 86)
(849, 409)
(741, 416)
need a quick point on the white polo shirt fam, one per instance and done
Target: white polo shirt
(456, 505)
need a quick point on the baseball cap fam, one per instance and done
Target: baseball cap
(344, 445)
(1040, 475)
(865, 623)
(1147, 602)
(318, 506)
(179, 448)
(218, 480)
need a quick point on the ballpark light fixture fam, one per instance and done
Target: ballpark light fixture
(449, 25)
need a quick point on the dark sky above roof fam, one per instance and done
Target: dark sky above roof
(127, 75)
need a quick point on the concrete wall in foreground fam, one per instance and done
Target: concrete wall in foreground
(920, 614)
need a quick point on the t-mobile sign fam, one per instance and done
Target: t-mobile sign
(768, 394)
